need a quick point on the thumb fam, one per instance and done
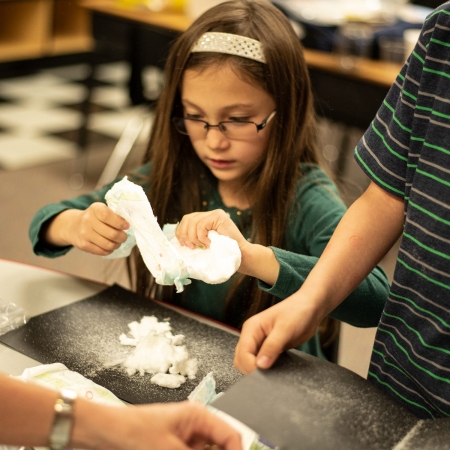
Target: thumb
(271, 348)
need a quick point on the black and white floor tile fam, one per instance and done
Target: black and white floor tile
(40, 114)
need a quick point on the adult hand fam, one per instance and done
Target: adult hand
(27, 412)
(281, 327)
(95, 230)
(193, 229)
(172, 426)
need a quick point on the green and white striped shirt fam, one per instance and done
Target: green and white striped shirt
(406, 151)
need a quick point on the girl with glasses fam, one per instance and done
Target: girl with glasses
(234, 132)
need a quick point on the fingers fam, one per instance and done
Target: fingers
(251, 338)
(169, 426)
(193, 229)
(278, 328)
(109, 233)
(202, 427)
(271, 348)
(99, 230)
(108, 217)
(222, 434)
(259, 348)
(98, 245)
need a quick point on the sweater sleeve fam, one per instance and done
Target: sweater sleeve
(320, 210)
(48, 212)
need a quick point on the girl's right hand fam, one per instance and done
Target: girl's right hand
(97, 230)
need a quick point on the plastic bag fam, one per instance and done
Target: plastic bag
(12, 316)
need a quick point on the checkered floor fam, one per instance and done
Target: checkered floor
(40, 113)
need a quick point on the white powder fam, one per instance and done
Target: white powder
(157, 352)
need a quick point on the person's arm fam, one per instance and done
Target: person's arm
(45, 232)
(361, 308)
(315, 214)
(95, 230)
(257, 260)
(27, 413)
(57, 227)
(317, 211)
(364, 235)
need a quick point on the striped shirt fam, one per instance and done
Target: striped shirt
(406, 151)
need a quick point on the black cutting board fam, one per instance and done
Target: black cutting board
(306, 403)
(84, 336)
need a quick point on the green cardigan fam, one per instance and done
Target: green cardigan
(316, 211)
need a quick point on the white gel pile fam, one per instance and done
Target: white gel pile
(157, 352)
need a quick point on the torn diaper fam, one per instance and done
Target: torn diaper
(168, 261)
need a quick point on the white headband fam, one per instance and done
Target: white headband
(231, 44)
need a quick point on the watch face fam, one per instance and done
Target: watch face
(68, 395)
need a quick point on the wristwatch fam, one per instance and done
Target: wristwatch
(62, 423)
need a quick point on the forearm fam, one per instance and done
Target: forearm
(259, 262)
(362, 308)
(364, 235)
(92, 425)
(27, 414)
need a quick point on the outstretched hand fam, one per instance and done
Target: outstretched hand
(193, 229)
(27, 412)
(96, 230)
(187, 425)
(172, 426)
(280, 327)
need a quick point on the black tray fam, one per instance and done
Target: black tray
(84, 336)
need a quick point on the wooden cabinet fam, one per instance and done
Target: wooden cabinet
(38, 28)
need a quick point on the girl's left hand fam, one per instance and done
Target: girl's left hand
(193, 229)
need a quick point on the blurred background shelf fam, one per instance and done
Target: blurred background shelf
(24, 28)
(71, 28)
(40, 28)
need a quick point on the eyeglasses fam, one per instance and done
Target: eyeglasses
(232, 129)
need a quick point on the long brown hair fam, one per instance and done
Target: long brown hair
(175, 168)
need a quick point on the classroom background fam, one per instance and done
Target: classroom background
(67, 105)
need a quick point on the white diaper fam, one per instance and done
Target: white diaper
(168, 261)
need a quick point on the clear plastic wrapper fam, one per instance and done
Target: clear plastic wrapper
(12, 316)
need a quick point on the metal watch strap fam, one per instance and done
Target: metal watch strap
(62, 423)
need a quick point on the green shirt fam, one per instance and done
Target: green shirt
(316, 211)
